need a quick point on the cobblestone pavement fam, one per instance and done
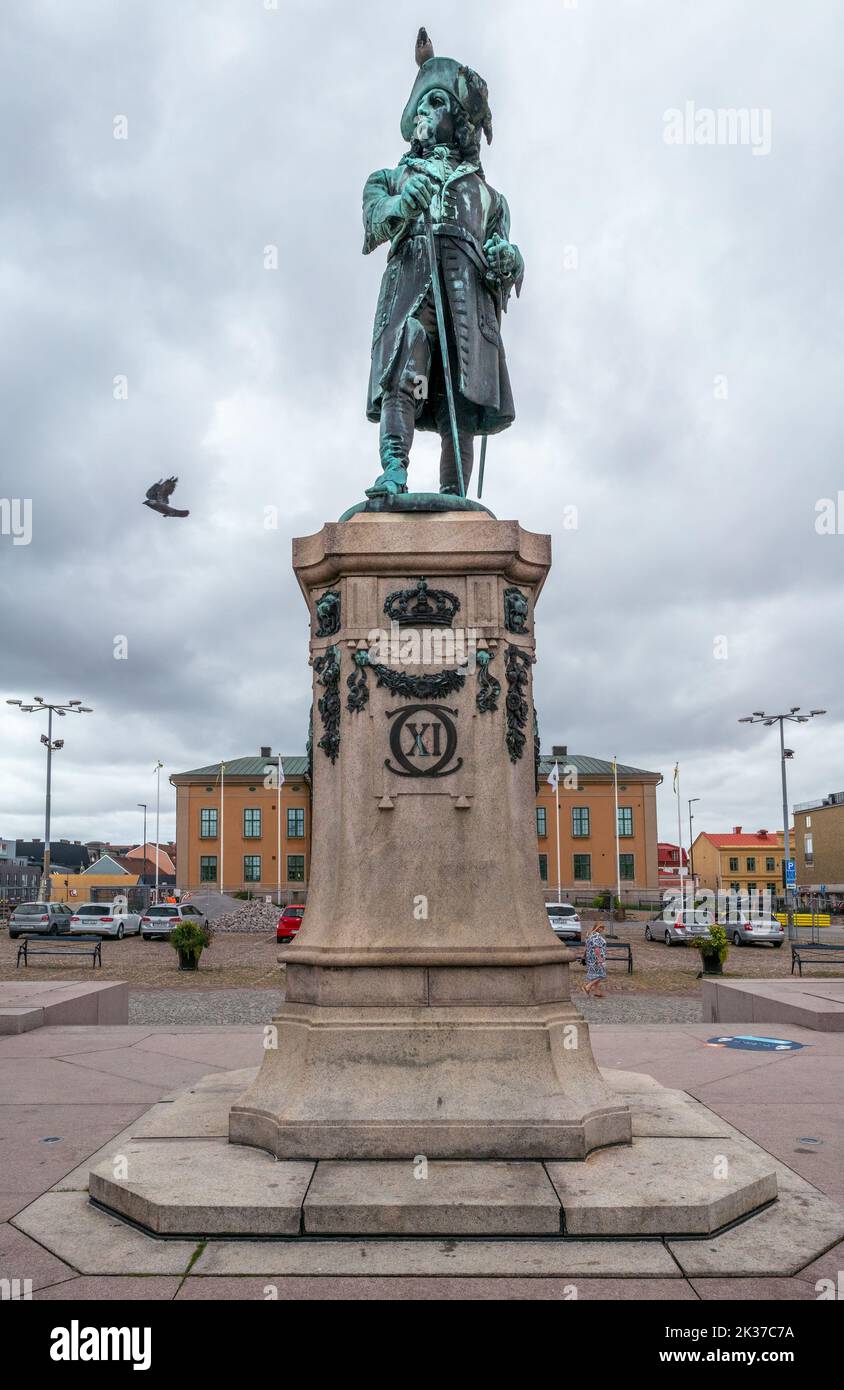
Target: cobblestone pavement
(638, 1008)
(211, 1006)
(216, 1006)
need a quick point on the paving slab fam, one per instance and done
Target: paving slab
(28, 1003)
(800, 1078)
(828, 1267)
(663, 1186)
(12, 1202)
(753, 1290)
(242, 1050)
(59, 1042)
(800, 1227)
(808, 1003)
(431, 1198)
(20, 1020)
(203, 1187)
(666, 1114)
(24, 1259)
(422, 1290)
(628, 1081)
(93, 1242)
(779, 1128)
(140, 1065)
(77, 1179)
(561, 1258)
(39, 1144)
(201, 1111)
(52, 1081)
(85, 1288)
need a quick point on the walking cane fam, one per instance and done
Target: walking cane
(483, 465)
(438, 306)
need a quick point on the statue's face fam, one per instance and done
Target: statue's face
(434, 121)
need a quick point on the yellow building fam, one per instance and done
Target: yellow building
(232, 812)
(586, 797)
(227, 826)
(739, 862)
(78, 888)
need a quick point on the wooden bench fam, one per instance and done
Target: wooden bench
(815, 953)
(616, 950)
(56, 946)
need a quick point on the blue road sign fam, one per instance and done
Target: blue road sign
(790, 873)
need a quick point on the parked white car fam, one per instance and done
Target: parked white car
(158, 922)
(105, 919)
(564, 921)
(748, 931)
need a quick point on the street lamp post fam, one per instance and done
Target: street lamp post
(142, 806)
(794, 715)
(692, 799)
(52, 745)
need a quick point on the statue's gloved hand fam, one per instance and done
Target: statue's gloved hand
(415, 196)
(503, 258)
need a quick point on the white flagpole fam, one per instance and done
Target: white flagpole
(158, 768)
(222, 824)
(557, 805)
(680, 837)
(278, 848)
(617, 846)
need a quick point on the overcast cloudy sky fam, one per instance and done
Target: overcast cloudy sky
(680, 385)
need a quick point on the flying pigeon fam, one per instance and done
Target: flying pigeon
(424, 47)
(158, 497)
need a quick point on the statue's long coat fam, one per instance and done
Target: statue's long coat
(465, 213)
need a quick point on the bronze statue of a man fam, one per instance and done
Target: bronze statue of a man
(439, 187)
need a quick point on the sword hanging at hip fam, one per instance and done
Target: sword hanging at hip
(438, 306)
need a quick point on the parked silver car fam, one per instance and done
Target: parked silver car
(158, 922)
(105, 919)
(676, 928)
(747, 931)
(564, 921)
(49, 919)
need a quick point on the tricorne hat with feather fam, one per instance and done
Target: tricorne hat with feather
(460, 81)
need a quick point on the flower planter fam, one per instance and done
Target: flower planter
(712, 964)
(188, 961)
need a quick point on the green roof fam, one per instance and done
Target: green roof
(245, 767)
(593, 767)
(298, 766)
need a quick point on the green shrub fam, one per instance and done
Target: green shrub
(715, 944)
(191, 938)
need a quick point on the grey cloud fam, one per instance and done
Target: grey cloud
(250, 127)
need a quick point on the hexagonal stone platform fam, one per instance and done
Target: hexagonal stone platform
(665, 1186)
(431, 1198)
(202, 1187)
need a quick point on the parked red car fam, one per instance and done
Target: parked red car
(289, 923)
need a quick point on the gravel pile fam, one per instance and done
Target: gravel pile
(215, 905)
(248, 916)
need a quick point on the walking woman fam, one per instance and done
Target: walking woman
(596, 961)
